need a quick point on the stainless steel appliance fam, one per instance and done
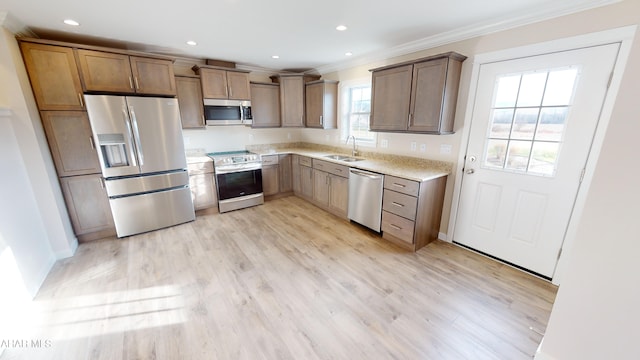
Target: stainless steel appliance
(365, 198)
(141, 152)
(227, 112)
(238, 179)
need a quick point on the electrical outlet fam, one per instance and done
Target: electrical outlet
(413, 146)
(384, 143)
(327, 138)
(445, 149)
(423, 147)
(250, 137)
(289, 136)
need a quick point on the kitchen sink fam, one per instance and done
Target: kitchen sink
(344, 158)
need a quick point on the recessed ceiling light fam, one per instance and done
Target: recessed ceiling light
(348, 53)
(192, 43)
(341, 28)
(275, 57)
(71, 22)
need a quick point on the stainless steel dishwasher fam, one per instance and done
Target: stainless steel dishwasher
(365, 198)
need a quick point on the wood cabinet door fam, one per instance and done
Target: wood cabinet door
(87, 203)
(265, 105)
(214, 84)
(71, 142)
(238, 83)
(391, 96)
(306, 182)
(270, 185)
(292, 101)
(285, 173)
(189, 93)
(203, 191)
(314, 105)
(428, 94)
(103, 71)
(295, 174)
(54, 76)
(339, 195)
(153, 76)
(321, 187)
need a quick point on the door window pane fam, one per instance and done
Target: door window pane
(543, 158)
(551, 124)
(518, 155)
(501, 123)
(524, 123)
(507, 91)
(560, 87)
(532, 89)
(496, 153)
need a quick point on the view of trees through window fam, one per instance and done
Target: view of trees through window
(359, 108)
(528, 120)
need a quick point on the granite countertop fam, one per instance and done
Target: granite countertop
(401, 166)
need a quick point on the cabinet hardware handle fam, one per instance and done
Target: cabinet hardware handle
(80, 98)
(399, 185)
(227, 90)
(130, 82)
(395, 227)
(321, 120)
(409, 122)
(102, 183)
(91, 142)
(338, 169)
(137, 85)
(397, 204)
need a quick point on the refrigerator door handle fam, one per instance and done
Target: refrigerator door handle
(136, 135)
(127, 123)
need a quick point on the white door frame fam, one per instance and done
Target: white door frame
(622, 35)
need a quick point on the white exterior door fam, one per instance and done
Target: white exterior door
(531, 131)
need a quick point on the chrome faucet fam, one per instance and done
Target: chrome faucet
(354, 152)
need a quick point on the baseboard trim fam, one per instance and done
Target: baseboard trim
(442, 236)
(67, 253)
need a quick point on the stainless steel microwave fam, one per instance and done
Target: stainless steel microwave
(227, 112)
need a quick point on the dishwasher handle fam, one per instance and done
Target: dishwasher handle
(373, 176)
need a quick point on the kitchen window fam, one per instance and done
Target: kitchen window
(356, 108)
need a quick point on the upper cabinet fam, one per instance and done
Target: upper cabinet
(292, 103)
(120, 73)
(54, 76)
(221, 83)
(417, 97)
(190, 101)
(265, 105)
(321, 104)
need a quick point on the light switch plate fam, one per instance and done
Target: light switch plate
(289, 136)
(413, 146)
(423, 147)
(326, 137)
(384, 143)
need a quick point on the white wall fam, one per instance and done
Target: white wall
(34, 225)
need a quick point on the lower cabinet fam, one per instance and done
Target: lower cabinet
(88, 205)
(411, 211)
(277, 174)
(270, 183)
(331, 187)
(285, 173)
(302, 177)
(203, 185)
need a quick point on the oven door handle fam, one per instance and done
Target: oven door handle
(234, 168)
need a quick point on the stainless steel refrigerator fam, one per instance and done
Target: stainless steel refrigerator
(141, 152)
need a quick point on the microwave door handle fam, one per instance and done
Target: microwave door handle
(241, 114)
(136, 135)
(127, 123)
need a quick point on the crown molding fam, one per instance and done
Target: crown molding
(14, 25)
(465, 33)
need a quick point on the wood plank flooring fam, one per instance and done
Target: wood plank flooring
(284, 280)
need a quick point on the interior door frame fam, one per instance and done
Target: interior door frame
(624, 36)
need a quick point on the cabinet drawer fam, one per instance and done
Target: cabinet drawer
(269, 160)
(305, 161)
(404, 186)
(400, 204)
(397, 226)
(331, 168)
(200, 168)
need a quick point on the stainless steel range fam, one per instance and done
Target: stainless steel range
(238, 179)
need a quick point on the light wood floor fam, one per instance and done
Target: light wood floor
(284, 280)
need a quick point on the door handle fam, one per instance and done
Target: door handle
(470, 171)
(136, 135)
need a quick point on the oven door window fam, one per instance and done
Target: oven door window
(237, 184)
(222, 112)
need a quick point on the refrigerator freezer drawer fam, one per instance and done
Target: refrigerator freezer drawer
(146, 212)
(146, 183)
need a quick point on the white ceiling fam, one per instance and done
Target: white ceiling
(301, 32)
